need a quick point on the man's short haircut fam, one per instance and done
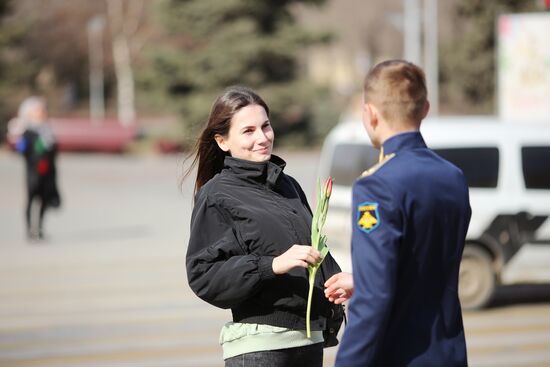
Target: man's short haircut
(398, 89)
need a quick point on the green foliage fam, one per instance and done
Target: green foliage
(15, 68)
(468, 69)
(221, 43)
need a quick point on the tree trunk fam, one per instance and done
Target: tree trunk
(125, 80)
(125, 18)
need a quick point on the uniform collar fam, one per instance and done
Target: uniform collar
(403, 141)
(266, 173)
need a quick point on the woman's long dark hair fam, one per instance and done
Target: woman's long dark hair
(206, 152)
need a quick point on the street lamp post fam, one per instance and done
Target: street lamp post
(431, 54)
(411, 33)
(413, 45)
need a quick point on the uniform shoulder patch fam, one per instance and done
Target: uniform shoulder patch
(368, 218)
(377, 166)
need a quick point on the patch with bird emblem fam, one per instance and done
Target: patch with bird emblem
(368, 218)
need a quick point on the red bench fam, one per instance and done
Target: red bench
(77, 134)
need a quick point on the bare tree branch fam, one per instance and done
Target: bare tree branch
(134, 16)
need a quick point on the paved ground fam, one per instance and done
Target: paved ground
(108, 287)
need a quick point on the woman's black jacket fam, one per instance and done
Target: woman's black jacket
(244, 217)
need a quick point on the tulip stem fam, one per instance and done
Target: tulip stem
(318, 241)
(312, 272)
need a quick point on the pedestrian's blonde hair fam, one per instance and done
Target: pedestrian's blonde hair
(28, 106)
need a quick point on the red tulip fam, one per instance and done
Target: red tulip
(328, 187)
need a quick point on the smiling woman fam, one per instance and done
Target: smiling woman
(250, 136)
(250, 244)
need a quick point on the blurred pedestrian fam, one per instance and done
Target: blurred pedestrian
(249, 247)
(38, 146)
(410, 216)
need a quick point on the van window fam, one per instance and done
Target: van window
(350, 160)
(536, 167)
(480, 165)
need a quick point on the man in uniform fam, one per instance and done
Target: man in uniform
(410, 217)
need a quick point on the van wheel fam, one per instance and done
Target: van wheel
(477, 280)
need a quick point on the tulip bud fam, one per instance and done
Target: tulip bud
(328, 187)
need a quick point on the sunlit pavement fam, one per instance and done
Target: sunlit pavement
(108, 286)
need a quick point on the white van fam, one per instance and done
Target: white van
(507, 166)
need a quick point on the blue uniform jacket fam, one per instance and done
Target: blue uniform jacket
(410, 218)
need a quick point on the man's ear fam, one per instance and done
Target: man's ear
(372, 113)
(221, 142)
(426, 109)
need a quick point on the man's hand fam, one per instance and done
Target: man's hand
(339, 288)
(296, 256)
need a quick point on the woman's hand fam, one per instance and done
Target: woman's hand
(339, 287)
(296, 256)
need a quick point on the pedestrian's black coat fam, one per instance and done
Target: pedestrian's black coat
(243, 218)
(41, 168)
